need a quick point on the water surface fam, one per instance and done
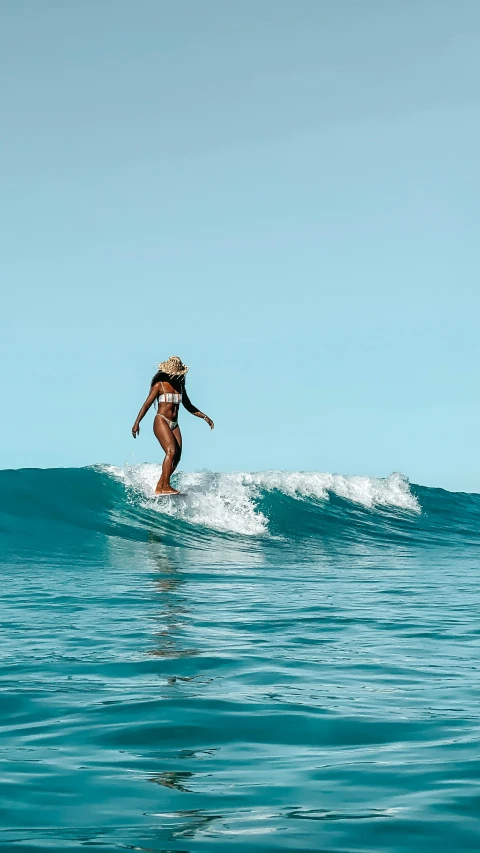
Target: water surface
(273, 662)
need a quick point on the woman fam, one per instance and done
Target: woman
(168, 389)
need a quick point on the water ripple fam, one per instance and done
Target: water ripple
(298, 693)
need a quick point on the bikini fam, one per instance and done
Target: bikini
(169, 398)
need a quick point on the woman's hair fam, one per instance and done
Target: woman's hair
(160, 376)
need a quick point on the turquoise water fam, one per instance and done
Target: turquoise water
(272, 662)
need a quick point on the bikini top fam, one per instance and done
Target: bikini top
(169, 397)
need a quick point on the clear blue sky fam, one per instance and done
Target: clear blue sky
(284, 194)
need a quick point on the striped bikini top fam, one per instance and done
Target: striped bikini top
(169, 397)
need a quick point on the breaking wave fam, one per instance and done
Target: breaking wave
(300, 509)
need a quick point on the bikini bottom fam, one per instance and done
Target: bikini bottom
(172, 424)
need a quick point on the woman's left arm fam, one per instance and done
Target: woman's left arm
(193, 409)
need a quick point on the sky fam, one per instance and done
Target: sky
(284, 194)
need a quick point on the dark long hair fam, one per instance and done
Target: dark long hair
(177, 382)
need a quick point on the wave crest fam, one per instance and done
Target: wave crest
(65, 508)
(230, 502)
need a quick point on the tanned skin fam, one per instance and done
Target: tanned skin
(170, 440)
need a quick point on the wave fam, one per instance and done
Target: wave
(41, 509)
(231, 502)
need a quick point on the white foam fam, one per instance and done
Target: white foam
(391, 491)
(227, 501)
(219, 501)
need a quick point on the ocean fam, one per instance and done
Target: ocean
(273, 661)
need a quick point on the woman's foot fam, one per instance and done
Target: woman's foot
(167, 491)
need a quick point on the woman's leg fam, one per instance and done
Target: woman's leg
(170, 445)
(178, 438)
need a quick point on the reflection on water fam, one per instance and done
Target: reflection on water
(174, 614)
(187, 823)
(172, 779)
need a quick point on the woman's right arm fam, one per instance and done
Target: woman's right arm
(143, 411)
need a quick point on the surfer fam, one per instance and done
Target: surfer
(167, 389)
